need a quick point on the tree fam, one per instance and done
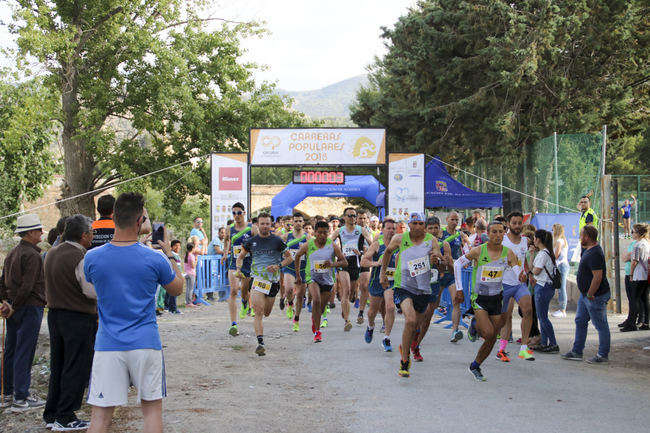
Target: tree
(144, 85)
(476, 79)
(26, 132)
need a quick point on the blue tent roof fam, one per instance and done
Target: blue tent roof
(355, 186)
(442, 190)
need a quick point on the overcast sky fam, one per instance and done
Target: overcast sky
(312, 43)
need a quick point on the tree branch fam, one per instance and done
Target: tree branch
(87, 34)
(200, 20)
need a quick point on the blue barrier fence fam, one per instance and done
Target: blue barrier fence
(446, 307)
(211, 276)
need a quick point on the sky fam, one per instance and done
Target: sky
(312, 43)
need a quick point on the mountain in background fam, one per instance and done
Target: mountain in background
(331, 101)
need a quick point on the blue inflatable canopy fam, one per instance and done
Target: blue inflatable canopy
(355, 186)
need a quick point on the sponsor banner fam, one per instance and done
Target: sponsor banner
(406, 185)
(318, 146)
(229, 185)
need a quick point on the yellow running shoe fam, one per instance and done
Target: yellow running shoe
(323, 324)
(289, 312)
(296, 326)
(243, 311)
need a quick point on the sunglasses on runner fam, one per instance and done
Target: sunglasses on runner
(352, 215)
(238, 212)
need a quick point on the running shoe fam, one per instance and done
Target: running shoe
(332, 305)
(260, 350)
(383, 329)
(6, 400)
(456, 336)
(551, 348)
(309, 307)
(404, 368)
(417, 356)
(368, 335)
(296, 326)
(303, 302)
(281, 303)
(243, 311)
(348, 326)
(356, 303)
(414, 343)
(233, 331)
(476, 372)
(28, 403)
(318, 337)
(327, 310)
(559, 313)
(471, 332)
(289, 312)
(251, 312)
(526, 354)
(386, 343)
(598, 360)
(75, 425)
(323, 324)
(398, 309)
(502, 355)
(360, 318)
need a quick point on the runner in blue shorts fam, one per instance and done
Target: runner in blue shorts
(372, 259)
(294, 240)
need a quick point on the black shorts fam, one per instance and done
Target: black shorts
(420, 302)
(275, 288)
(363, 269)
(324, 287)
(490, 304)
(352, 268)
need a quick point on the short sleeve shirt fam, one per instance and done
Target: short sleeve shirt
(198, 233)
(266, 251)
(543, 261)
(125, 279)
(592, 259)
(640, 253)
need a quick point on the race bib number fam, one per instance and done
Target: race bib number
(293, 253)
(236, 249)
(418, 266)
(434, 276)
(390, 274)
(491, 274)
(319, 267)
(349, 249)
(262, 285)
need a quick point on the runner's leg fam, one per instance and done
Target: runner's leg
(389, 320)
(232, 299)
(343, 277)
(316, 310)
(364, 280)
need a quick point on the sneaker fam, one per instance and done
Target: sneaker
(456, 335)
(49, 425)
(233, 331)
(414, 343)
(260, 350)
(551, 348)
(386, 344)
(417, 356)
(502, 355)
(296, 326)
(323, 324)
(327, 310)
(368, 335)
(281, 304)
(6, 400)
(309, 307)
(598, 360)
(644, 328)
(559, 313)
(572, 356)
(318, 337)
(348, 326)
(628, 328)
(28, 403)
(360, 318)
(356, 303)
(332, 305)
(177, 312)
(251, 312)
(289, 312)
(383, 329)
(398, 309)
(243, 311)
(71, 426)
(472, 335)
(404, 368)
(478, 375)
(526, 354)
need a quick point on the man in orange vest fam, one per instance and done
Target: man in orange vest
(104, 227)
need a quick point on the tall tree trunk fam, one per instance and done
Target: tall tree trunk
(78, 164)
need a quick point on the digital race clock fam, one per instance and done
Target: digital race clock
(319, 177)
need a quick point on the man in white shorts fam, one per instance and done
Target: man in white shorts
(128, 349)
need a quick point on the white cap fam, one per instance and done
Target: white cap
(28, 222)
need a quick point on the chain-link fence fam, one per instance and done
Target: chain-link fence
(552, 173)
(630, 185)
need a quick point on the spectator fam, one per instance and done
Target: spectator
(477, 214)
(480, 236)
(199, 232)
(587, 217)
(561, 252)
(626, 212)
(71, 320)
(470, 224)
(543, 267)
(594, 294)
(170, 301)
(60, 225)
(128, 349)
(104, 227)
(627, 258)
(189, 266)
(217, 245)
(534, 337)
(22, 290)
(638, 301)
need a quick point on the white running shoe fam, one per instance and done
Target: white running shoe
(559, 313)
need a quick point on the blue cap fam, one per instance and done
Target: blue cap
(416, 216)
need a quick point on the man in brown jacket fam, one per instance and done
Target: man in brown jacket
(23, 288)
(71, 320)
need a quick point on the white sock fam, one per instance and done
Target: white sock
(371, 328)
(523, 347)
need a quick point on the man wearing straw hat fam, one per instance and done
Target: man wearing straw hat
(22, 290)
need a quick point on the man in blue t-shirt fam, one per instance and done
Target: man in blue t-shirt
(266, 251)
(128, 350)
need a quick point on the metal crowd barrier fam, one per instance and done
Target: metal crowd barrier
(446, 307)
(211, 276)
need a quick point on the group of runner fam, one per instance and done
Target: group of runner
(362, 261)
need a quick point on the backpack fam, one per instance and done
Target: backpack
(556, 278)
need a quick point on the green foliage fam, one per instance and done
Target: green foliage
(474, 79)
(179, 222)
(181, 89)
(26, 132)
